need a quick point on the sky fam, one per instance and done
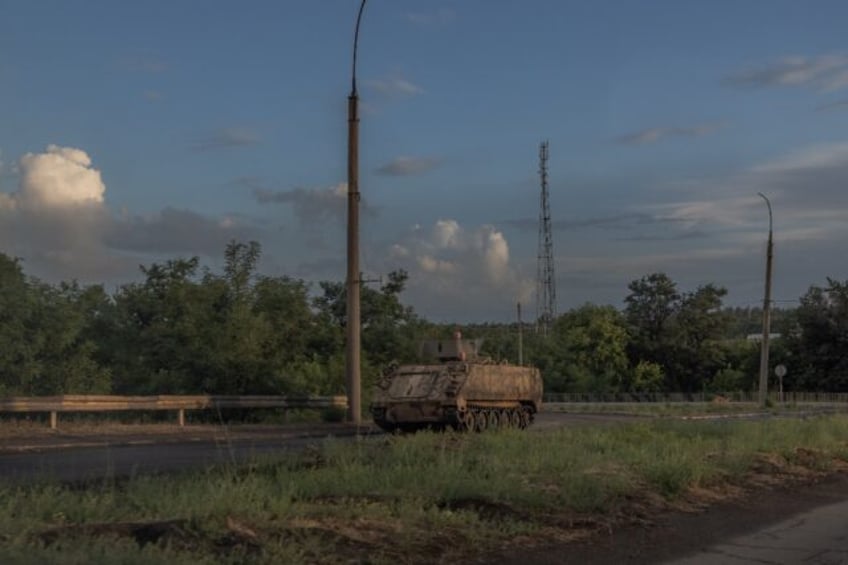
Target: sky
(137, 132)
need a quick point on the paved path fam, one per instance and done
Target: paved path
(817, 537)
(802, 523)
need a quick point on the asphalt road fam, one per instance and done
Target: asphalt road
(127, 456)
(73, 457)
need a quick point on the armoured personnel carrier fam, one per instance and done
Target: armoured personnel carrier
(456, 387)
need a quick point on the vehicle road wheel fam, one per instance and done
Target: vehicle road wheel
(468, 422)
(480, 422)
(514, 418)
(493, 422)
(503, 419)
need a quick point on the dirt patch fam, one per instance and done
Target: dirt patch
(485, 509)
(238, 537)
(142, 532)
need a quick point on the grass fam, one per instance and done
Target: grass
(422, 498)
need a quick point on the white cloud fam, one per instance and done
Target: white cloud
(430, 264)
(806, 189)
(653, 135)
(446, 234)
(824, 156)
(458, 273)
(822, 73)
(496, 256)
(62, 176)
(394, 86)
(405, 166)
(58, 221)
(724, 212)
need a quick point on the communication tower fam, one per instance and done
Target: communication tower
(545, 278)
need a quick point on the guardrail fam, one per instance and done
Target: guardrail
(101, 403)
(678, 397)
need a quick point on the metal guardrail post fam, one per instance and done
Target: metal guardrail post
(181, 417)
(54, 420)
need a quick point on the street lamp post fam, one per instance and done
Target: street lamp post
(352, 351)
(764, 346)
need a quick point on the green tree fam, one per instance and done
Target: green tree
(390, 330)
(650, 306)
(700, 326)
(161, 331)
(589, 349)
(682, 333)
(652, 301)
(17, 363)
(44, 347)
(818, 345)
(647, 377)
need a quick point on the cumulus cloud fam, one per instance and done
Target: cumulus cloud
(822, 73)
(58, 221)
(226, 138)
(406, 166)
(56, 218)
(394, 86)
(652, 135)
(456, 272)
(446, 234)
(62, 176)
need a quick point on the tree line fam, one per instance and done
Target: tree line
(184, 329)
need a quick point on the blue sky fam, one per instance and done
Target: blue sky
(135, 132)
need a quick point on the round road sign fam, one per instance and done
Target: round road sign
(780, 370)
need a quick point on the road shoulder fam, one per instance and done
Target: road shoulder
(679, 534)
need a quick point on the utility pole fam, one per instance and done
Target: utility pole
(545, 277)
(353, 346)
(764, 346)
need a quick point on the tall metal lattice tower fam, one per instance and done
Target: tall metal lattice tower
(545, 278)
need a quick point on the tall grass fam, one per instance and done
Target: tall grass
(434, 495)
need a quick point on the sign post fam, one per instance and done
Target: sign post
(780, 371)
